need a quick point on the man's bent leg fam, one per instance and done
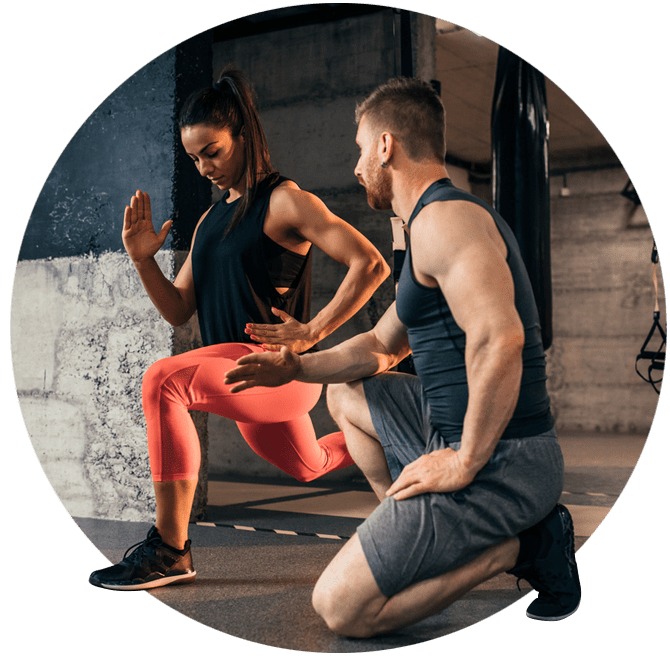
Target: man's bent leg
(348, 406)
(347, 597)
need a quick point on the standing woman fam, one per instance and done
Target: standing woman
(248, 275)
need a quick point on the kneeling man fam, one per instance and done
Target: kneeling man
(463, 456)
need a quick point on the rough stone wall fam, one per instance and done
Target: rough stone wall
(82, 336)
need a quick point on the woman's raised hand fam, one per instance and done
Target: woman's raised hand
(139, 236)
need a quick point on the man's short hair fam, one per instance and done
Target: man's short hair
(411, 110)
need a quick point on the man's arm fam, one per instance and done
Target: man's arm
(456, 246)
(364, 355)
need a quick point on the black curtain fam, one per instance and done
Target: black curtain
(519, 140)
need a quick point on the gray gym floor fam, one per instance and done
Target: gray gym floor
(263, 546)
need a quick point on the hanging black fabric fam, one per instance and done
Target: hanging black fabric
(519, 141)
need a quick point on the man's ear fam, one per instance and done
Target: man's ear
(386, 146)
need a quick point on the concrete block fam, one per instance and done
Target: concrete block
(596, 361)
(594, 387)
(56, 429)
(610, 409)
(98, 333)
(591, 182)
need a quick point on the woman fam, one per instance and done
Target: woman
(248, 277)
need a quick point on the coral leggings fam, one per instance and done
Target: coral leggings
(274, 421)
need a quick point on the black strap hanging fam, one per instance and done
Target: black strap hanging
(399, 228)
(656, 358)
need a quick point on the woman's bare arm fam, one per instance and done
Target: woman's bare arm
(308, 218)
(175, 301)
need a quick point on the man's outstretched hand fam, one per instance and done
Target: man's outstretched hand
(263, 370)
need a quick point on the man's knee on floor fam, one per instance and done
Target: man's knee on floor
(339, 613)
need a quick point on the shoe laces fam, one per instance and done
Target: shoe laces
(141, 548)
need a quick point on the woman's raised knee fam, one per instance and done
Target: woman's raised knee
(167, 377)
(156, 374)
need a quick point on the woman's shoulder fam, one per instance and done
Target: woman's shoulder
(290, 208)
(286, 187)
(288, 196)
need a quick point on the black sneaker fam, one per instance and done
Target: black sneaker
(150, 564)
(552, 570)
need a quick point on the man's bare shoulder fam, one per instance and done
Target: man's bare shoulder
(448, 226)
(451, 216)
(456, 231)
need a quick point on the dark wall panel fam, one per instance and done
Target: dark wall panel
(129, 142)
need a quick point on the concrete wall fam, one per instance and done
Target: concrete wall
(127, 143)
(603, 304)
(83, 334)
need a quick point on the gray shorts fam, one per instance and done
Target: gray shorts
(412, 540)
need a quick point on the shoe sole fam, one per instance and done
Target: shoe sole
(558, 617)
(140, 586)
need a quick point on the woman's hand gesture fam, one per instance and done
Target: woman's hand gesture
(291, 333)
(139, 236)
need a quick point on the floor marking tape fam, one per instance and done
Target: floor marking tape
(565, 492)
(246, 528)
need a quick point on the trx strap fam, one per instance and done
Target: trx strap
(657, 358)
(399, 249)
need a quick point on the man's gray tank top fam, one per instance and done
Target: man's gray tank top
(233, 285)
(438, 343)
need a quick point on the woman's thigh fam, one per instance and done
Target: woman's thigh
(196, 380)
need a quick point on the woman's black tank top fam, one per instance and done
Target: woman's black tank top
(233, 285)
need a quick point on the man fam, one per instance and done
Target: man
(464, 456)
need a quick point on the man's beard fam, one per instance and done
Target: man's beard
(378, 188)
